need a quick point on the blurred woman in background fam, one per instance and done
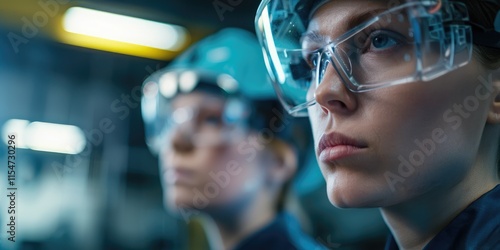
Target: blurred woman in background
(224, 144)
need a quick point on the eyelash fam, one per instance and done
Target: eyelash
(365, 39)
(367, 42)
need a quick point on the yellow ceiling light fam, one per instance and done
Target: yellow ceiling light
(122, 34)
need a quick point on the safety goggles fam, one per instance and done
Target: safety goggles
(413, 41)
(201, 110)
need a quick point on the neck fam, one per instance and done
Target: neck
(414, 223)
(233, 232)
(234, 226)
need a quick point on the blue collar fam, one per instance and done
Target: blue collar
(476, 227)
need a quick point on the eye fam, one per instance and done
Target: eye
(383, 41)
(380, 41)
(211, 120)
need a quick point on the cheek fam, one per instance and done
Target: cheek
(248, 178)
(319, 122)
(421, 136)
(209, 182)
(235, 178)
(430, 137)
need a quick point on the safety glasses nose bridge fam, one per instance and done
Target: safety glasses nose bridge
(330, 56)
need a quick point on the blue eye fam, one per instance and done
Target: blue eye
(382, 41)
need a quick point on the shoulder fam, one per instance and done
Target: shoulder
(484, 223)
(476, 227)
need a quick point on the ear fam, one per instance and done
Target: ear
(494, 112)
(285, 162)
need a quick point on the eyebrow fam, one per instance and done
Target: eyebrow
(313, 36)
(352, 21)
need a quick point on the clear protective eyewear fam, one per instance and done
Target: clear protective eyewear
(414, 41)
(201, 117)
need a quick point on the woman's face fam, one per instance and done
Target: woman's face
(390, 145)
(201, 164)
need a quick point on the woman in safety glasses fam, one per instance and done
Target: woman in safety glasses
(225, 145)
(404, 103)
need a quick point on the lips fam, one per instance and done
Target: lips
(179, 176)
(334, 146)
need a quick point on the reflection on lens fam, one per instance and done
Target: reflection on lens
(182, 115)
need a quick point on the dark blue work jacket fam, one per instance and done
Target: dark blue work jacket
(477, 227)
(282, 233)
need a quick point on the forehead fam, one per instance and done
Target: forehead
(198, 99)
(341, 15)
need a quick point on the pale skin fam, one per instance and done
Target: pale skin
(246, 202)
(461, 168)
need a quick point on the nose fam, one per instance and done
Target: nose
(182, 140)
(332, 95)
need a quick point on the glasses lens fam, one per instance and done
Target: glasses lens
(200, 119)
(299, 73)
(291, 71)
(205, 114)
(382, 52)
(405, 44)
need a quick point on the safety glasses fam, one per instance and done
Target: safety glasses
(197, 111)
(414, 41)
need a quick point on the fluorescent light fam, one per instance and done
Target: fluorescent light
(48, 137)
(55, 138)
(125, 29)
(15, 127)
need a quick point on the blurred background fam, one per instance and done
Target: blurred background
(70, 77)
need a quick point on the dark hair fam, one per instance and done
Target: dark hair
(483, 13)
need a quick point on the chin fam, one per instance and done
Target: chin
(362, 193)
(175, 199)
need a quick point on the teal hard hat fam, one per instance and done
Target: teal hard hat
(229, 64)
(231, 52)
